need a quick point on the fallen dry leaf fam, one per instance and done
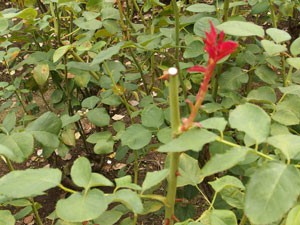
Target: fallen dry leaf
(28, 219)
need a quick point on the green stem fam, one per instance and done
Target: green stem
(262, 154)
(140, 70)
(152, 71)
(71, 28)
(79, 59)
(227, 142)
(58, 24)
(21, 101)
(273, 13)
(68, 90)
(35, 212)
(203, 194)
(129, 108)
(234, 11)
(210, 207)
(287, 79)
(214, 87)
(215, 82)
(136, 167)
(66, 189)
(41, 6)
(159, 198)
(45, 101)
(252, 150)
(82, 135)
(55, 23)
(243, 220)
(217, 10)
(8, 163)
(124, 15)
(174, 156)
(135, 218)
(225, 10)
(137, 8)
(250, 81)
(177, 48)
(213, 202)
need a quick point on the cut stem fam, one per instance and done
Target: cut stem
(174, 156)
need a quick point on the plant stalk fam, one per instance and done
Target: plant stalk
(174, 156)
(225, 10)
(136, 167)
(243, 220)
(273, 13)
(36, 213)
(287, 78)
(140, 70)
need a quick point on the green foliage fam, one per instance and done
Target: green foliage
(252, 120)
(187, 141)
(6, 218)
(82, 175)
(82, 206)
(29, 182)
(82, 75)
(267, 190)
(136, 137)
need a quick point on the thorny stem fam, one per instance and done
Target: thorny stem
(174, 156)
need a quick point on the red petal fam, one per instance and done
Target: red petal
(197, 68)
(211, 37)
(226, 48)
(211, 50)
(213, 32)
(221, 37)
